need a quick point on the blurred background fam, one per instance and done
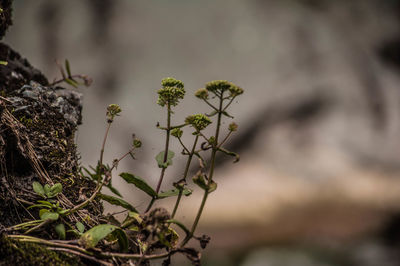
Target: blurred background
(319, 123)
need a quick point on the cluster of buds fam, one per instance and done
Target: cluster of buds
(218, 87)
(232, 126)
(177, 132)
(198, 121)
(171, 92)
(202, 93)
(113, 110)
(137, 143)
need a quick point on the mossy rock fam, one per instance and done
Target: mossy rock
(5, 16)
(37, 132)
(18, 253)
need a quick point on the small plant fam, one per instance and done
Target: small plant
(153, 233)
(67, 77)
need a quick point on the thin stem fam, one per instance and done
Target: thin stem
(178, 200)
(150, 204)
(69, 77)
(63, 244)
(189, 160)
(45, 222)
(121, 158)
(228, 104)
(166, 148)
(104, 144)
(210, 175)
(183, 145)
(225, 139)
(93, 196)
(212, 106)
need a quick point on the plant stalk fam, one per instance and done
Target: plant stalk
(166, 148)
(189, 160)
(210, 175)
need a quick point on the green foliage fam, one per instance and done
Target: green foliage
(160, 159)
(117, 201)
(174, 192)
(92, 237)
(153, 228)
(80, 227)
(171, 92)
(199, 121)
(46, 191)
(139, 183)
(73, 80)
(60, 229)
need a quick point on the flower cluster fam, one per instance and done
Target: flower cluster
(218, 87)
(113, 110)
(198, 121)
(202, 94)
(177, 132)
(137, 143)
(233, 126)
(171, 92)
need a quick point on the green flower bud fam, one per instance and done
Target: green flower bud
(202, 94)
(113, 110)
(137, 143)
(212, 140)
(235, 90)
(198, 121)
(176, 132)
(172, 91)
(171, 82)
(218, 86)
(233, 126)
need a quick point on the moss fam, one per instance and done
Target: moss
(18, 253)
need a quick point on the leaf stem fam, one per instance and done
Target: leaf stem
(104, 143)
(166, 148)
(210, 175)
(189, 160)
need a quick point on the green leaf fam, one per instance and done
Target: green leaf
(230, 153)
(92, 237)
(4, 63)
(212, 113)
(62, 211)
(212, 187)
(80, 227)
(113, 190)
(136, 216)
(139, 183)
(54, 190)
(46, 189)
(183, 227)
(117, 201)
(226, 114)
(94, 176)
(44, 202)
(160, 159)
(49, 215)
(41, 211)
(38, 206)
(38, 188)
(122, 239)
(174, 192)
(67, 67)
(60, 229)
(200, 181)
(71, 82)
